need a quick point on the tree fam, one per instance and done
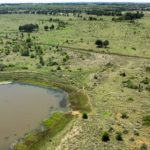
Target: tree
(46, 28)
(105, 43)
(52, 27)
(28, 28)
(99, 43)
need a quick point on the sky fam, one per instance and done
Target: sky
(59, 1)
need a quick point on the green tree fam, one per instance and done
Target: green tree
(105, 43)
(99, 43)
(46, 28)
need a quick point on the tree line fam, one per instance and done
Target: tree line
(129, 16)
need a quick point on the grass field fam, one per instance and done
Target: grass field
(125, 38)
(115, 87)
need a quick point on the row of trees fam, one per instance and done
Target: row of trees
(104, 13)
(129, 16)
(29, 28)
(133, 16)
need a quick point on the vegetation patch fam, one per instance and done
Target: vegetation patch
(52, 126)
(146, 120)
(105, 136)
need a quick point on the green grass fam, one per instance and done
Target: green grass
(124, 37)
(86, 73)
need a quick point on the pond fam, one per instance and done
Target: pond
(23, 107)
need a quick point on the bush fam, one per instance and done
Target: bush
(123, 74)
(130, 99)
(147, 69)
(32, 56)
(119, 136)
(148, 88)
(24, 68)
(84, 116)
(58, 68)
(2, 67)
(41, 61)
(105, 137)
(28, 40)
(146, 81)
(124, 115)
(144, 147)
(25, 53)
(7, 51)
(146, 120)
(129, 84)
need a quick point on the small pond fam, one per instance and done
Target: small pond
(23, 107)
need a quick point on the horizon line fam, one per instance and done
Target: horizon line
(71, 2)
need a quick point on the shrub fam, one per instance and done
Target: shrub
(147, 69)
(144, 147)
(123, 74)
(7, 51)
(58, 68)
(32, 56)
(146, 120)
(124, 115)
(25, 53)
(119, 136)
(84, 116)
(130, 99)
(129, 84)
(2, 67)
(105, 137)
(41, 61)
(24, 68)
(148, 88)
(28, 40)
(146, 80)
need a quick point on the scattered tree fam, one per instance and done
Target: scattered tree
(105, 43)
(99, 43)
(46, 28)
